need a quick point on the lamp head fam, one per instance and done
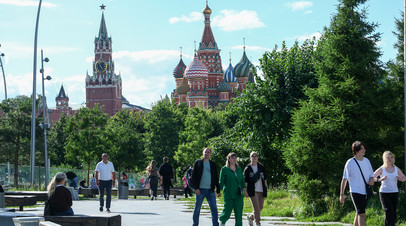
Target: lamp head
(46, 59)
(2, 54)
(48, 77)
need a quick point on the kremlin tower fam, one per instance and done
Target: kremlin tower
(104, 86)
(203, 82)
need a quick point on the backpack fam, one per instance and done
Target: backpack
(189, 174)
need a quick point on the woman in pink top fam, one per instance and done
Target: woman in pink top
(389, 174)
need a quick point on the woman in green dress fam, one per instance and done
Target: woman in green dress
(233, 185)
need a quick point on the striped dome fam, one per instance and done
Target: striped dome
(179, 70)
(196, 69)
(242, 69)
(183, 88)
(224, 87)
(229, 74)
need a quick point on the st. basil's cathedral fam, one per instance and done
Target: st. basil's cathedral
(203, 83)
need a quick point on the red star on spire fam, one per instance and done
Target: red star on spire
(102, 7)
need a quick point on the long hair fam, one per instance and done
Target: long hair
(151, 168)
(384, 156)
(55, 181)
(231, 154)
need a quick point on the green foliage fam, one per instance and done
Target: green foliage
(15, 131)
(125, 139)
(163, 126)
(57, 140)
(346, 106)
(87, 139)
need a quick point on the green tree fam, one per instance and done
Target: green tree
(57, 140)
(163, 125)
(263, 111)
(346, 106)
(15, 131)
(125, 135)
(87, 138)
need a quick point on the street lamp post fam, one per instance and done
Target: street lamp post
(45, 125)
(4, 76)
(34, 94)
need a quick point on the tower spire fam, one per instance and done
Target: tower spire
(244, 43)
(230, 57)
(180, 52)
(103, 28)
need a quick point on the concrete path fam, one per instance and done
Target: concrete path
(158, 212)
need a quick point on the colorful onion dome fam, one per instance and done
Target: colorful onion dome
(183, 88)
(179, 70)
(196, 69)
(207, 10)
(242, 69)
(229, 74)
(224, 87)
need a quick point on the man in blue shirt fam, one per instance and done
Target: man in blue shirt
(205, 180)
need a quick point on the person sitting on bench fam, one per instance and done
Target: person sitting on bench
(60, 198)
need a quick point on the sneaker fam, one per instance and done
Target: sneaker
(250, 220)
(152, 198)
(101, 208)
(108, 210)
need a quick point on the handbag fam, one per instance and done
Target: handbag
(368, 188)
(47, 209)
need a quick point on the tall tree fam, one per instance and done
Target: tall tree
(15, 131)
(163, 125)
(87, 138)
(265, 108)
(125, 131)
(346, 106)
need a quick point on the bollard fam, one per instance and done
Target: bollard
(2, 200)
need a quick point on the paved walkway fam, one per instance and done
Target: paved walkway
(157, 212)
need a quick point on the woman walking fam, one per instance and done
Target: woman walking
(357, 170)
(389, 174)
(255, 180)
(233, 185)
(152, 172)
(59, 197)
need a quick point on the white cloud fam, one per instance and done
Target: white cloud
(26, 3)
(150, 56)
(252, 48)
(306, 36)
(232, 20)
(193, 16)
(301, 5)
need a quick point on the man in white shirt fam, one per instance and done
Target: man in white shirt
(105, 179)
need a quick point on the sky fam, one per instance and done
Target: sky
(147, 36)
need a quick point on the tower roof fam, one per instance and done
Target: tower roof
(179, 70)
(242, 69)
(208, 41)
(61, 93)
(229, 74)
(103, 28)
(196, 69)
(183, 88)
(224, 87)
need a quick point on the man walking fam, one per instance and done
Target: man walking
(205, 179)
(166, 172)
(105, 179)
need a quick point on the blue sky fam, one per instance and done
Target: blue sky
(147, 35)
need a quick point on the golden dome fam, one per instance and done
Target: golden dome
(207, 10)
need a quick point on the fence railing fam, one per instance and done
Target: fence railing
(24, 175)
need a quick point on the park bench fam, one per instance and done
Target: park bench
(21, 201)
(6, 218)
(42, 196)
(86, 220)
